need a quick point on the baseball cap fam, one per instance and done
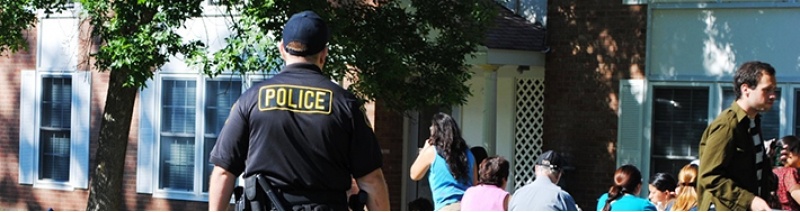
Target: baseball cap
(305, 34)
(552, 159)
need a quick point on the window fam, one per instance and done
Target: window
(680, 115)
(190, 111)
(661, 123)
(54, 129)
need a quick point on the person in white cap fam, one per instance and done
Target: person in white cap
(543, 194)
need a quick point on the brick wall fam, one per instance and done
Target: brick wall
(593, 45)
(388, 126)
(14, 196)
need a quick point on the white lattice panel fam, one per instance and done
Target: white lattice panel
(528, 128)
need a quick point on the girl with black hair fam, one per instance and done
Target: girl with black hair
(451, 164)
(622, 195)
(662, 190)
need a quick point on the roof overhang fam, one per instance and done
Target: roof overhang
(490, 56)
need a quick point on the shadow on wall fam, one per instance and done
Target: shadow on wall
(594, 45)
(12, 194)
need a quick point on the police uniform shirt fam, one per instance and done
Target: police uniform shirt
(301, 130)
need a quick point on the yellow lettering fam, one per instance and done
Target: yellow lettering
(270, 95)
(294, 98)
(289, 98)
(281, 100)
(300, 98)
(319, 99)
(308, 104)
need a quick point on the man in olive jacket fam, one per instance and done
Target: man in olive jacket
(735, 171)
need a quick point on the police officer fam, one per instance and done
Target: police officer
(306, 134)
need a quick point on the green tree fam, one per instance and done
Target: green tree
(16, 17)
(136, 38)
(410, 54)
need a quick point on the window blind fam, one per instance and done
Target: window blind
(54, 135)
(680, 115)
(220, 96)
(177, 134)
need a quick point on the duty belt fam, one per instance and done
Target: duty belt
(259, 194)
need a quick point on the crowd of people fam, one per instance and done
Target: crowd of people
(734, 170)
(325, 156)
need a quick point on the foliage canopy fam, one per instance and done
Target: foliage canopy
(409, 54)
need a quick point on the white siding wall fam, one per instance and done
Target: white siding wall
(708, 44)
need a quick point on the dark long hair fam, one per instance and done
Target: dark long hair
(626, 179)
(664, 182)
(449, 144)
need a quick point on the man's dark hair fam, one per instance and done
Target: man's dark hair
(749, 74)
(493, 171)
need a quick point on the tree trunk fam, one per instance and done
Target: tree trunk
(105, 189)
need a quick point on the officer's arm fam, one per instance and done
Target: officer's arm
(375, 185)
(220, 188)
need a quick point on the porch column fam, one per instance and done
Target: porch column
(490, 106)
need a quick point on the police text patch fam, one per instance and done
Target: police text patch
(295, 98)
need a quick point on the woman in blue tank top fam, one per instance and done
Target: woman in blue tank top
(622, 195)
(451, 164)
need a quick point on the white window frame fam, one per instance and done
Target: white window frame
(58, 33)
(148, 166)
(30, 109)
